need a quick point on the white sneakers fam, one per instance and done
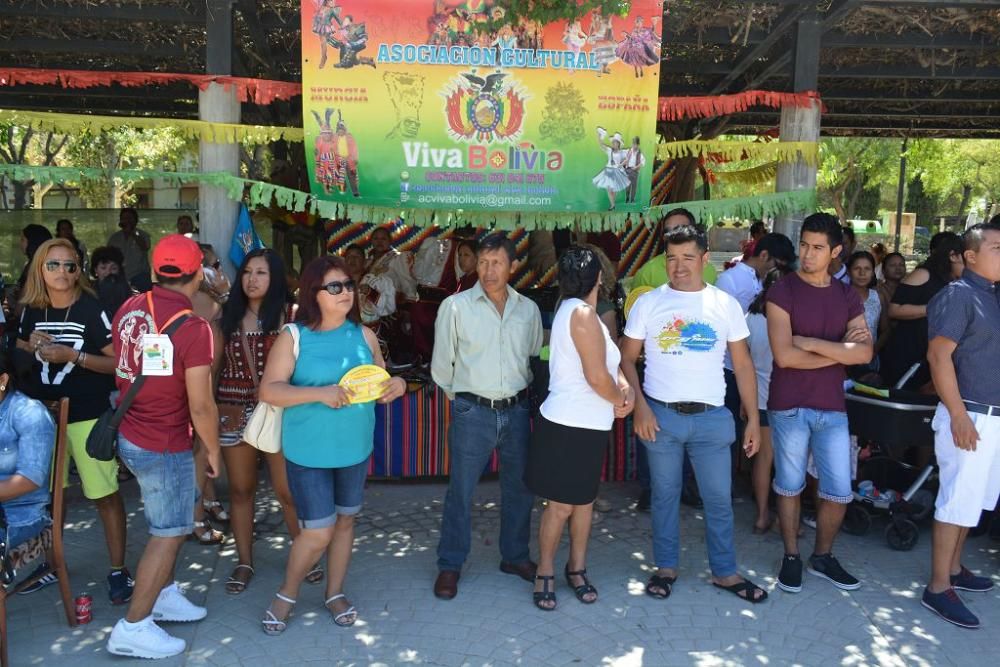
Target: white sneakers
(146, 639)
(172, 606)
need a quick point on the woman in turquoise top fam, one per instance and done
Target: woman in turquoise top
(326, 439)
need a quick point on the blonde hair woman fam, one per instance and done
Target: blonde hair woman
(66, 330)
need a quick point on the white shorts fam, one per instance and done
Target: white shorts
(970, 481)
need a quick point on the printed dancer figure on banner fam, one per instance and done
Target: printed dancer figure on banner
(345, 158)
(323, 154)
(351, 38)
(603, 39)
(574, 38)
(327, 13)
(613, 177)
(639, 47)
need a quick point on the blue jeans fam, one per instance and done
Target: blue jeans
(706, 438)
(320, 494)
(167, 484)
(19, 534)
(474, 433)
(797, 431)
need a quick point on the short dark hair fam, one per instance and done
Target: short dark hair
(471, 244)
(687, 234)
(131, 211)
(777, 246)
(354, 246)
(106, 253)
(857, 257)
(849, 231)
(974, 235)
(758, 228)
(381, 229)
(64, 221)
(681, 211)
(891, 255)
(311, 282)
(498, 241)
(579, 269)
(176, 281)
(824, 223)
(942, 237)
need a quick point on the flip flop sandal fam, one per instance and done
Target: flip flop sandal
(664, 583)
(272, 624)
(585, 589)
(234, 586)
(338, 618)
(208, 534)
(745, 591)
(215, 510)
(547, 594)
(315, 575)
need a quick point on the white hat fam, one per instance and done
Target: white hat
(617, 136)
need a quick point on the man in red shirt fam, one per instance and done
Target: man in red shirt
(155, 438)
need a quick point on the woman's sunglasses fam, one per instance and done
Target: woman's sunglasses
(338, 286)
(54, 264)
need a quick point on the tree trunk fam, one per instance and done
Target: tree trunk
(966, 195)
(21, 190)
(685, 178)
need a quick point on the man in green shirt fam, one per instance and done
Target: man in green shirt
(654, 272)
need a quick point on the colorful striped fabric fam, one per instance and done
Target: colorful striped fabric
(411, 435)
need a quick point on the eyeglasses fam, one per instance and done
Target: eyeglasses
(54, 264)
(337, 286)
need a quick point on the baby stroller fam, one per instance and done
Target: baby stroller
(895, 420)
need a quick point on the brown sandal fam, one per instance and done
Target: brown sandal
(235, 586)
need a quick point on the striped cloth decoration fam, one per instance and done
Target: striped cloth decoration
(411, 435)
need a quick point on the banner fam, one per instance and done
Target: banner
(438, 104)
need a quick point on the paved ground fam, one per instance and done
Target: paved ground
(492, 621)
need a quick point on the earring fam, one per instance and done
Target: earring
(3, 387)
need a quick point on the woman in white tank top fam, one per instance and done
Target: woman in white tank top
(586, 393)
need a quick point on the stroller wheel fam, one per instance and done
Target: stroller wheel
(857, 521)
(902, 534)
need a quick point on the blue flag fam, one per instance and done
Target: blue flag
(245, 239)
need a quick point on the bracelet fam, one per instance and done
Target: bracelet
(81, 356)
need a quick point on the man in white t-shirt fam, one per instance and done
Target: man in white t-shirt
(685, 328)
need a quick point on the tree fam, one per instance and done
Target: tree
(920, 202)
(20, 145)
(956, 171)
(126, 148)
(850, 166)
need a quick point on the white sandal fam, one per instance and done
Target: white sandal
(215, 510)
(272, 624)
(350, 611)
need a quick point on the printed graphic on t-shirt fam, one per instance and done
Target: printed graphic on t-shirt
(133, 326)
(680, 336)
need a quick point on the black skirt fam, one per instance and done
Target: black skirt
(564, 462)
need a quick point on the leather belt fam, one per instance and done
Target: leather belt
(494, 403)
(988, 410)
(684, 407)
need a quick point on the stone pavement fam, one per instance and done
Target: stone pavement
(493, 622)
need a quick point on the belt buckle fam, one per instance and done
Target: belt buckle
(689, 408)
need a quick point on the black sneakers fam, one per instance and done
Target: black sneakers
(827, 567)
(790, 577)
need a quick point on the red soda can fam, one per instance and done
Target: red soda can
(83, 603)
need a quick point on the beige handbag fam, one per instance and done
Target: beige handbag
(263, 429)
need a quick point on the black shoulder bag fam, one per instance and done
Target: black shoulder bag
(103, 439)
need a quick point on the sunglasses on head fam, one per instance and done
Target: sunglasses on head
(338, 286)
(54, 264)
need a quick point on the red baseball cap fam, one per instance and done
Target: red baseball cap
(176, 255)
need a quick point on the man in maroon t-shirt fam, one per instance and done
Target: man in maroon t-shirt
(154, 439)
(816, 326)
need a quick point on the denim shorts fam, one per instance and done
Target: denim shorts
(19, 534)
(320, 494)
(167, 483)
(797, 431)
